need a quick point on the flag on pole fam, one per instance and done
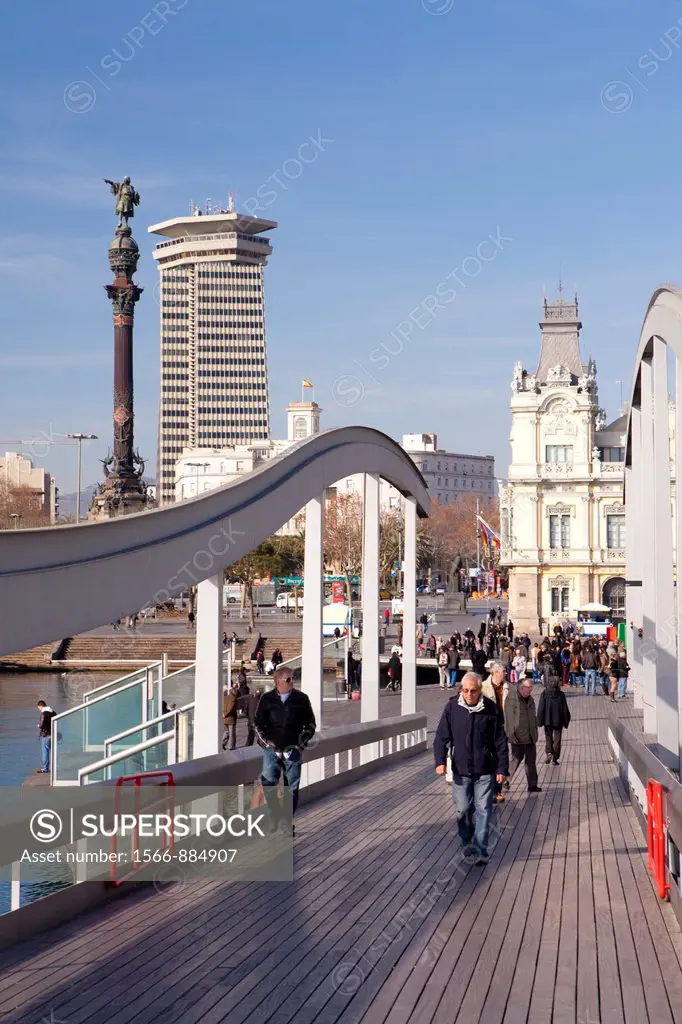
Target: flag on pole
(491, 541)
(306, 383)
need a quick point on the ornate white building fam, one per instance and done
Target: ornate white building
(562, 511)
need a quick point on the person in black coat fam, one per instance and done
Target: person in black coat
(285, 723)
(554, 715)
(471, 728)
(479, 660)
(395, 672)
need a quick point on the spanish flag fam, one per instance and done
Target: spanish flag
(306, 383)
(491, 541)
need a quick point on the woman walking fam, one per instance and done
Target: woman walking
(619, 671)
(554, 715)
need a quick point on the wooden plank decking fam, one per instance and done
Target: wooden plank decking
(386, 924)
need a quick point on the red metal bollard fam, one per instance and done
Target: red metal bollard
(656, 837)
(137, 781)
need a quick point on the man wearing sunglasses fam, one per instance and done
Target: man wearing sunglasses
(284, 724)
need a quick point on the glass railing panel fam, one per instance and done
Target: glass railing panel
(178, 688)
(101, 691)
(81, 732)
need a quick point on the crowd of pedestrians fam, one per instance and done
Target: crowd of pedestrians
(491, 726)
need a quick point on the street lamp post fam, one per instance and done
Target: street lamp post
(80, 438)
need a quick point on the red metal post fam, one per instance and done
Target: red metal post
(656, 836)
(137, 782)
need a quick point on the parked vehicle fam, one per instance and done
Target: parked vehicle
(288, 600)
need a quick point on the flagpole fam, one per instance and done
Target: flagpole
(478, 545)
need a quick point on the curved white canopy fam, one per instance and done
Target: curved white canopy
(59, 582)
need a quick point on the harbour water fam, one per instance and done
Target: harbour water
(19, 745)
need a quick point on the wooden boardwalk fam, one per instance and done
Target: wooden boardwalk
(386, 923)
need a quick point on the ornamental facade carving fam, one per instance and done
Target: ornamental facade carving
(559, 419)
(559, 581)
(560, 510)
(559, 375)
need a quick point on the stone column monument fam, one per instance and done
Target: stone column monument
(123, 490)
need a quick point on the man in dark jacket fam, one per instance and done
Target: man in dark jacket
(285, 724)
(554, 715)
(479, 661)
(471, 728)
(45, 734)
(521, 726)
(589, 663)
(395, 672)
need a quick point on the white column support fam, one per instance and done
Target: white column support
(648, 524)
(666, 654)
(369, 710)
(208, 683)
(678, 543)
(311, 660)
(635, 561)
(408, 698)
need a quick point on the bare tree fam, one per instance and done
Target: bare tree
(452, 529)
(343, 537)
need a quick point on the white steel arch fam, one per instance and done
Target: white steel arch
(653, 602)
(56, 583)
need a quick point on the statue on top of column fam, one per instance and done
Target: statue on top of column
(127, 198)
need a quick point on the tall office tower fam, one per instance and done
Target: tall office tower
(214, 381)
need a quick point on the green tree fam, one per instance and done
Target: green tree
(265, 560)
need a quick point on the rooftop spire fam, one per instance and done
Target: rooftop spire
(560, 337)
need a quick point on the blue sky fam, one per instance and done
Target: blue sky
(553, 125)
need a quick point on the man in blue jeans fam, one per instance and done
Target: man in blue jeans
(284, 723)
(45, 734)
(471, 727)
(453, 665)
(589, 663)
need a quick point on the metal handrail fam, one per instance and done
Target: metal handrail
(242, 767)
(106, 762)
(144, 725)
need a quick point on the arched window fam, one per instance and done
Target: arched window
(300, 428)
(613, 595)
